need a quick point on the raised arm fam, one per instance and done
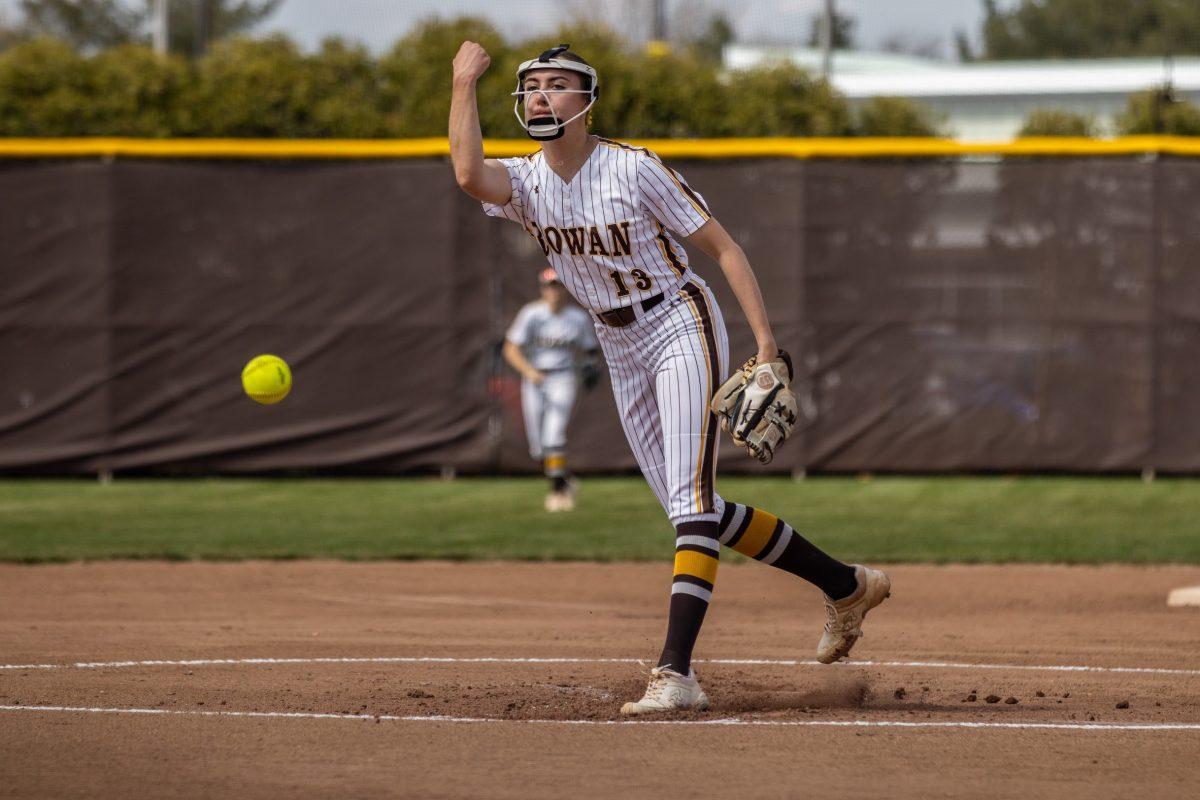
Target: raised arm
(715, 241)
(483, 179)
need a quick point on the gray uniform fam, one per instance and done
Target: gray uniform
(552, 343)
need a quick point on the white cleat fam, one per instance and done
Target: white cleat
(669, 691)
(844, 625)
(566, 498)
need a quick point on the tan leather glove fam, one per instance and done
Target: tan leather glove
(756, 406)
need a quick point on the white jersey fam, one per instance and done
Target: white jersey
(610, 232)
(551, 341)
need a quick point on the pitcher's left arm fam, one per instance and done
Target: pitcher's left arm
(715, 241)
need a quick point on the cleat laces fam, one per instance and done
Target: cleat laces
(849, 625)
(657, 689)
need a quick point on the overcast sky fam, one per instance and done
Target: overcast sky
(378, 23)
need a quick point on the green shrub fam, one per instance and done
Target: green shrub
(784, 100)
(250, 88)
(268, 87)
(416, 76)
(134, 92)
(897, 116)
(343, 85)
(1159, 112)
(1055, 122)
(43, 90)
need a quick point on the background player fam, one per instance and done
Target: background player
(606, 215)
(552, 344)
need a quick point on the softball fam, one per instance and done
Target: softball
(267, 379)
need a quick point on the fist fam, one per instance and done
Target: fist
(470, 62)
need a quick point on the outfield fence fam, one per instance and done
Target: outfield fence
(1020, 307)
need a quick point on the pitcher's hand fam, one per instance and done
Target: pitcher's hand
(470, 63)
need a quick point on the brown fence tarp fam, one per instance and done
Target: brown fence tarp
(991, 314)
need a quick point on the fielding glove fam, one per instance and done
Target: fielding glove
(756, 407)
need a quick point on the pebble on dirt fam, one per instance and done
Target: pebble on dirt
(1123, 704)
(991, 698)
(899, 693)
(1040, 693)
(1012, 701)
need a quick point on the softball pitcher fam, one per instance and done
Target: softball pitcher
(609, 217)
(552, 344)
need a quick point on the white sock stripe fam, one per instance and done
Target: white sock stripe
(682, 587)
(706, 542)
(780, 546)
(739, 513)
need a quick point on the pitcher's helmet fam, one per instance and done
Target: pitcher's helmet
(545, 128)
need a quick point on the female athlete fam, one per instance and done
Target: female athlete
(608, 217)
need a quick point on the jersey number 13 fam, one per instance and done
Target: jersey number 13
(640, 279)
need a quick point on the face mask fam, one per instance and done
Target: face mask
(545, 128)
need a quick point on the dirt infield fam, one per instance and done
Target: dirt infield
(313, 679)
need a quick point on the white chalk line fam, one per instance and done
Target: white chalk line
(724, 722)
(206, 662)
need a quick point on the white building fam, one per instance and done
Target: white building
(989, 101)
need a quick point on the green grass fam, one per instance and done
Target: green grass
(1071, 520)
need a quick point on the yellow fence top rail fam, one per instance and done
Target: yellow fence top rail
(799, 148)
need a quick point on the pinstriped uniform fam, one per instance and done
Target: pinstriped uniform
(619, 213)
(664, 369)
(610, 232)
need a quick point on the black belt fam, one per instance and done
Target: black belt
(620, 317)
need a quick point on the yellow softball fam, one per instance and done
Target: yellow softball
(267, 379)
